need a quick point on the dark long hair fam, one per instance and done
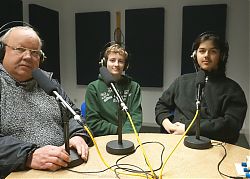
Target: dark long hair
(218, 42)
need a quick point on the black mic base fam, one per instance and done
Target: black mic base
(194, 143)
(126, 147)
(75, 159)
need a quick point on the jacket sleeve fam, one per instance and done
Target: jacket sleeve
(13, 154)
(76, 128)
(231, 112)
(165, 105)
(135, 110)
(95, 122)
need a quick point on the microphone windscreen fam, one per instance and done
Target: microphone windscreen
(200, 78)
(106, 75)
(43, 81)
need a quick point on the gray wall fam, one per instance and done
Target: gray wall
(237, 35)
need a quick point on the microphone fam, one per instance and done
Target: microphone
(117, 147)
(197, 141)
(44, 82)
(200, 84)
(110, 81)
(106, 75)
(51, 89)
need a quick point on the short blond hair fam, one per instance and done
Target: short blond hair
(116, 48)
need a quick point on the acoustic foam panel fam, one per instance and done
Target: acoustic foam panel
(46, 22)
(144, 37)
(196, 20)
(92, 33)
(10, 11)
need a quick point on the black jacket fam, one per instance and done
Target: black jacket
(223, 106)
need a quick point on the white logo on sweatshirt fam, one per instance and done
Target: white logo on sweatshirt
(108, 95)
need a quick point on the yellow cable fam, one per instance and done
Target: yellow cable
(182, 137)
(140, 143)
(105, 163)
(143, 150)
(96, 146)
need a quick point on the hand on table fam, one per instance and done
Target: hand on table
(80, 145)
(53, 158)
(176, 128)
(49, 158)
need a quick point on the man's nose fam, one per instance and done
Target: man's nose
(27, 53)
(207, 53)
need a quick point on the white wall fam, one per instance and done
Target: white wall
(237, 34)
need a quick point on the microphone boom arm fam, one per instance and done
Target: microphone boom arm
(75, 158)
(198, 97)
(66, 105)
(122, 104)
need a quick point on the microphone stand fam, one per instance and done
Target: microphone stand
(120, 147)
(75, 159)
(197, 141)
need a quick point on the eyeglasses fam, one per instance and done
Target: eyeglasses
(21, 50)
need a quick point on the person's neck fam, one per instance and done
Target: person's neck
(215, 73)
(117, 77)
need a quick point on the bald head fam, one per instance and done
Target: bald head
(25, 30)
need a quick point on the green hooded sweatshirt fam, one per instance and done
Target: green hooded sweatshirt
(102, 107)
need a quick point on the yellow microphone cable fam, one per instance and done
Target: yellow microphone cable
(182, 137)
(103, 160)
(140, 143)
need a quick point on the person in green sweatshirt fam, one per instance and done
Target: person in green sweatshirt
(102, 107)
